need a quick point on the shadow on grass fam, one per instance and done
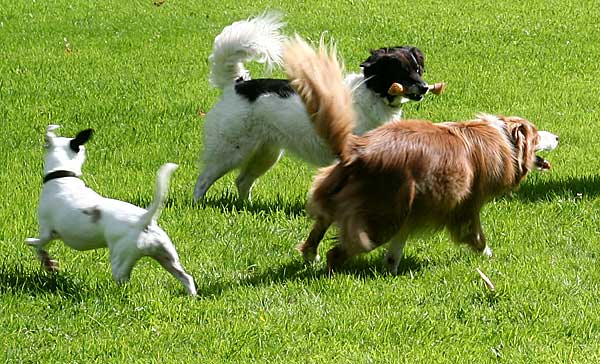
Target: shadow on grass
(228, 202)
(569, 187)
(37, 282)
(297, 270)
(365, 268)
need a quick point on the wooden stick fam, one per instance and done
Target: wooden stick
(486, 280)
(437, 88)
(397, 89)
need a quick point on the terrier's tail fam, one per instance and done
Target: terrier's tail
(160, 195)
(257, 39)
(317, 76)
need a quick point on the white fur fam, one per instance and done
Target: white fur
(84, 220)
(252, 136)
(255, 39)
(487, 252)
(548, 141)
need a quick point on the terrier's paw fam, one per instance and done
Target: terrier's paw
(50, 265)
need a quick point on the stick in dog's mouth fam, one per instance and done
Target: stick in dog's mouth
(436, 89)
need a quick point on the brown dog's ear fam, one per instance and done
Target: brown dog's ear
(521, 140)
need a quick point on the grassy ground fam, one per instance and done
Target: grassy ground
(136, 72)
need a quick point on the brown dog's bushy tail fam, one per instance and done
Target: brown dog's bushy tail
(317, 76)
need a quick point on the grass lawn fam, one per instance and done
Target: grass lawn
(137, 73)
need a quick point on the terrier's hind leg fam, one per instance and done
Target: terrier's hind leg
(122, 262)
(169, 260)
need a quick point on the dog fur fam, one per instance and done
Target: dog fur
(255, 120)
(403, 176)
(70, 211)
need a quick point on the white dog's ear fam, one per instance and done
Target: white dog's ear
(80, 139)
(50, 135)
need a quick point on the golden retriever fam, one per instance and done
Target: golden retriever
(404, 175)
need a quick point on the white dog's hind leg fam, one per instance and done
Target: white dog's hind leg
(218, 160)
(207, 178)
(263, 158)
(395, 251)
(121, 264)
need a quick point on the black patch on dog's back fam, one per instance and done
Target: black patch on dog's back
(253, 89)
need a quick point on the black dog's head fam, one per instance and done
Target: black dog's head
(403, 65)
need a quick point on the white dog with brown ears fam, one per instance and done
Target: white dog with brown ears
(84, 220)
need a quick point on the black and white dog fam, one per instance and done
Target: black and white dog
(255, 120)
(84, 220)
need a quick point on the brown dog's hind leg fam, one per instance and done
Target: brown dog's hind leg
(354, 240)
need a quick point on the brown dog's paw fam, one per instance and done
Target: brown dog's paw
(309, 253)
(336, 256)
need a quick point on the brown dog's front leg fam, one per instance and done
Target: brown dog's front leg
(309, 249)
(336, 256)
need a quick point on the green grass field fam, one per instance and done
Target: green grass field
(137, 74)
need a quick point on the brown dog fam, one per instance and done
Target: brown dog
(404, 175)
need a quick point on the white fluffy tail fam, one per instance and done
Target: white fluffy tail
(160, 194)
(257, 39)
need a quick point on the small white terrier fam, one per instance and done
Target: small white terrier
(84, 220)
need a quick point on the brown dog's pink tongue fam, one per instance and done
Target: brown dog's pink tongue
(541, 163)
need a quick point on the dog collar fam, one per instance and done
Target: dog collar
(58, 174)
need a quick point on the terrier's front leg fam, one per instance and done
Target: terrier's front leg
(38, 244)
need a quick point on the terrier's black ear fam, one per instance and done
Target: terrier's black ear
(81, 138)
